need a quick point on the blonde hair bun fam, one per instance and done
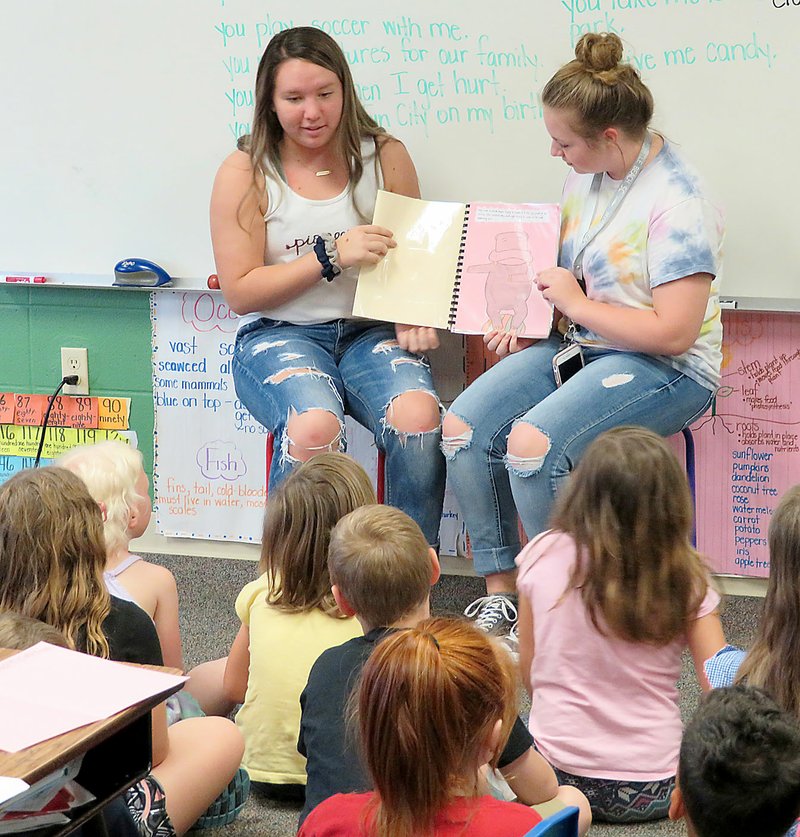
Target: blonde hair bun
(600, 54)
(600, 89)
(599, 51)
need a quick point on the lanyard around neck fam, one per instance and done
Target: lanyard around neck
(622, 190)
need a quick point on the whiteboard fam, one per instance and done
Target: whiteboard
(117, 114)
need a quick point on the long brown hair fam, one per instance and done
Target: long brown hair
(299, 517)
(601, 90)
(306, 43)
(52, 555)
(428, 700)
(629, 510)
(773, 662)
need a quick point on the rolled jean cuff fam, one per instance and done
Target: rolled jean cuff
(495, 560)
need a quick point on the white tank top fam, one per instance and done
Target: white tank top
(293, 222)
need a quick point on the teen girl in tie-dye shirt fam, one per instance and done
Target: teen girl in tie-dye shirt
(646, 319)
(665, 229)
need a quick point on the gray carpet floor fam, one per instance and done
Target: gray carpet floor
(208, 588)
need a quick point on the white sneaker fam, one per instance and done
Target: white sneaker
(496, 614)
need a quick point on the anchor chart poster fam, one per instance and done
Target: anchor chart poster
(210, 453)
(747, 444)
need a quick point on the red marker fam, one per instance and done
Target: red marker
(37, 280)
(213, 282)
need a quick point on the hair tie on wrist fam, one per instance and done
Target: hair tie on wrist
(327, 256)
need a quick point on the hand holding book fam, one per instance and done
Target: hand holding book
(504, 343)
(364, 245)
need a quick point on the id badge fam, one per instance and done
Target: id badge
(566, 362)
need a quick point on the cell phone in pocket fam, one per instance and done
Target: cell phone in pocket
(566, 362)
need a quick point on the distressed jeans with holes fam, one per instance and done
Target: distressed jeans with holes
(356, 367)
(614, 388)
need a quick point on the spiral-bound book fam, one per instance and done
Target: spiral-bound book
(469, 268)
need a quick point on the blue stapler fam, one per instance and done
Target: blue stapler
(140, 273)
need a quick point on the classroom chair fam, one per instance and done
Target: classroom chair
(380, 488)
(562, 824)
(688, 441)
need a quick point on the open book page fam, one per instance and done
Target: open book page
(506, 245)
(414, 283)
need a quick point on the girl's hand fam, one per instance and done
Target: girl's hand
(416, 338)
(505, 342)
(364, 245)
(561, 288)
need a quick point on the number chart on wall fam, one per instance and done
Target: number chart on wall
(152, 96)
(71, 421)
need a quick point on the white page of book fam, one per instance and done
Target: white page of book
(414, 283)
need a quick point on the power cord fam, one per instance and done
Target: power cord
(69, 380)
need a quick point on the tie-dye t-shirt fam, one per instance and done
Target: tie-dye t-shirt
(665, 229)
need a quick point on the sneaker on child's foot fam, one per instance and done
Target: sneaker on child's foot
(226, 806)
(511, 641)
(495, 614)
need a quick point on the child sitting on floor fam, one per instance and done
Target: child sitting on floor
(771, 663)
(114, 475)
(382, 570)
(20, 632)
(52, 556)
(434, 704)
(609, 598)
(739, 767)
(289, 616)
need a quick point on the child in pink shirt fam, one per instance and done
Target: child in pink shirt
(609, 599)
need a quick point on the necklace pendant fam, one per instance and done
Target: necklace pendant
(322, 173)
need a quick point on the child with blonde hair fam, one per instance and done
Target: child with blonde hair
(115, 477)
(52, 556)
(610, 597)
(289, 616)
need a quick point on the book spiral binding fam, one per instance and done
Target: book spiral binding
(451, 320)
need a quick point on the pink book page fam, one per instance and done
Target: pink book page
(505, 246)
(747, 452)
(46, 691)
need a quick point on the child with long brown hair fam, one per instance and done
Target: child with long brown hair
(610, 597)
(435, 703)
(52, 556)
(289, 616)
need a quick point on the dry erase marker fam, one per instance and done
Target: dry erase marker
(36, 280)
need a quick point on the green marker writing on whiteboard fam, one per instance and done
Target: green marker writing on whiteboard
(140, 273)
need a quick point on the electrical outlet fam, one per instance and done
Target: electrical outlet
(75, 362)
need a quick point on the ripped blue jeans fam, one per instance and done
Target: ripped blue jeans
(344, 366)
(614, 388)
